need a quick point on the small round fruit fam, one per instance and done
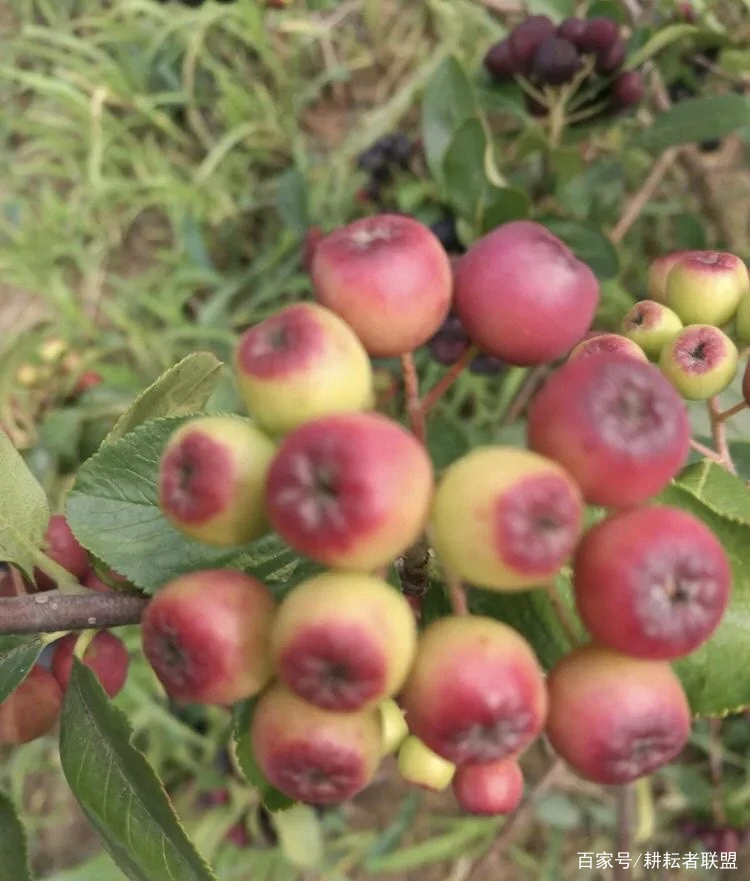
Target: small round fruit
(629, 88)
(611, 59)
(476, 692)
(523, 296)
(700, 362)
(525, 38)
(651, 582)
(300, 363)
(705, 287)
(658, 272)
(499, 61)
(422, 767)
(63, 547)
(651, 326)
(313, 755)
(614, 718)
(489, 790)
(601, 34)
(506, 518)
(450, 342)
(393, 727)
(555, 61)
(206, 635)
(615, 424)
(343, 641)
(32, 710)
(211, 479)
(388, 277)
(93, 582)
(572, 30)
(351, 491)
(607, 342)
(106, 656)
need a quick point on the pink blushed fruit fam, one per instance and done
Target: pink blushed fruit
(351, 491)
(700, 362)
(489, 790)
(705, 287)
(343, 641)
(32, 710)
(505, 518)
(651, 582)
(310, 754)
(300, 363)
(106, 656)
(615, 424)
(476, 692)
(658, 271)
(651, 326)
(61, 546)
(388, 277)
(206, 635)
(607, 342)
(211, 480)
(614, 718)
(523, 296)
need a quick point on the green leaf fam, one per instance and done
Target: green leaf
(697, 119)
(502, 205)
(243, 753)
(465, 183)
(300, 835)
(660, 40)
(447, 438)
(24, 510)
(587, 242)
(14, 862)
(292, 201)
(724, 493)
(449, 100)
(118, 790)
(18, 654)
(183, 389)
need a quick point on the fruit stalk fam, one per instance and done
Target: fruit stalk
(719, 433)
(411, 390)
(447, 380)
(724, 415)
(52, 611)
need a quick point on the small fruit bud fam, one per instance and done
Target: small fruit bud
(421, 767)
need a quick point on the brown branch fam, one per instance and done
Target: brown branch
(52, 611)
(638, 201)
(719, 434)
(724, 415)
(530, 386)
(448, 378)
(411, 391)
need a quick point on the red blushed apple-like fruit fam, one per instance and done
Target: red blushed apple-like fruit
(489, 790)
(476, 692)
(211, 480)
(614, 718)
(700, 361)
(351, 491)
(607, 342)
(505, 518)
(523, 296)
(615, 424)
(61, 546)
(93, 582)
(206, 634)
(32, 710)
(658, 271)
(388, 277)
(300, 363)
(651, 326)
(106, 656)
(310, 754)
(651, 582)
(705, 287)
(343, 641)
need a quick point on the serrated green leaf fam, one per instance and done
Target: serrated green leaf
(18, 654)
(697, 119)
(119, 791)
(183, 389)
(14, 858)
(24, 510)
(660, 40)
(724, 493)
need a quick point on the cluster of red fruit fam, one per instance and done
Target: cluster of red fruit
(545, 54)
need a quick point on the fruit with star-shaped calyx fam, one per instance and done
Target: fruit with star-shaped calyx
(700, 362)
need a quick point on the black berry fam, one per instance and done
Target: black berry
(526, 37)
(499, 61)
(572, 30)
(486, 365)
(445, 230)
(450, 342)
(629, 88)
(555, 61)
(599, 35)
(611, 59)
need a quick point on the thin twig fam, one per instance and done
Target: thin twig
(719, 434)
(411, 390)
(526, 392)
(52, 611)
(723, 415)
(638, 201)
(706, 451)
(624, 809)
(447, 379)
(715, 767)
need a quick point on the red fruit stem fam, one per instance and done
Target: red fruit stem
(447, 379)
(719, 433)
(53, 612)
(411, 390)
(706, 451)
(723, 415)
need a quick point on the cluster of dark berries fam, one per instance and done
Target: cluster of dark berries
(382, 159)
(451, 342)
(552, 55)
(447, 234)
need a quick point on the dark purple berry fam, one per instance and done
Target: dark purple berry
(499, 61)
(526, 37)
(555, 62)
(611, 59)
(486, 365)
(446, 232)
(629, 88)
(373, 159)
(599, 35)
(572, 30)
(398, 148)
(450, 342)
(711, 145)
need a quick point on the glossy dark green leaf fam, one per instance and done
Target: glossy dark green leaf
(449, 100)
(697, 119)
(18, 654)
(14, 857)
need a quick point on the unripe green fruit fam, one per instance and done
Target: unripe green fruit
(420, 766)
(344, 641)
(705, 287)
(607, 342)
(651, 326)
(393, 727)
(658, 272)
(505, 518)
(211, 480)
(700, 362)
(300, 363)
